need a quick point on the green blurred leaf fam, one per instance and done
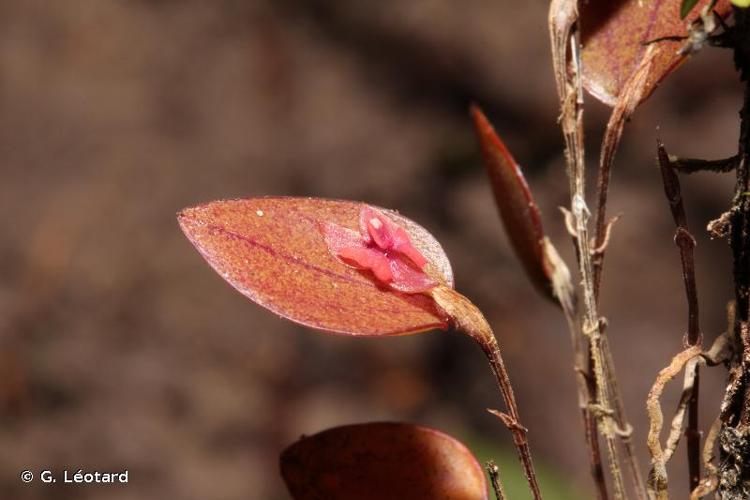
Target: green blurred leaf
(686, 7)
(555, 485)
(741, 3)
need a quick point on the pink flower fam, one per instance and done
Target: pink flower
(382, 247)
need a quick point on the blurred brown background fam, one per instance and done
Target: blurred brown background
(120, 348)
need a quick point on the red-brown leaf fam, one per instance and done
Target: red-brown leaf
(518, 210)
(382, 461)
(613, 36)
(273, 251)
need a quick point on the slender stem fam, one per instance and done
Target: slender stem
(609, 146)
(693, 435)
(492, 351)
(469, 320)
(632, 93)
(497, 485)
(583, 365)
(692, 165)
(603, 177)
(604, 408)
(626, 435)
(686, 243)
(570, 92)
(592, 439)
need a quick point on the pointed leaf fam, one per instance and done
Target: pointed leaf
(519, 212)
(613, 42)
(274, 251)
(382, 461)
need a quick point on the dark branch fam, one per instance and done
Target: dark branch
(683, 239)
(497, 485)
(692, 165)
(686, 243)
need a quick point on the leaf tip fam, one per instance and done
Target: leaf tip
(475, 111)
(181, 215)
(184, 218)
(189, 219)
(189, 214)
(491, 144)
(482, 125)
(518, 210)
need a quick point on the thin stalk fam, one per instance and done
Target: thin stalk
(693, 435)
(592, 438)
(692, 165)
(686, 243)
(624, 428)
(468, 319)
(632, 93)
(492, 351)
(571, 98)
(497, 484)
(585, 381)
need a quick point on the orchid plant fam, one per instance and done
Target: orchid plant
(354, 269)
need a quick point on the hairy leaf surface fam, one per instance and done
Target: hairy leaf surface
(273, 250)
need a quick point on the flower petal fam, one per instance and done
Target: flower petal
(386, 234)
(338, 237)
(402, 244)
(375, 227)
(406, 278)
(368, 258)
